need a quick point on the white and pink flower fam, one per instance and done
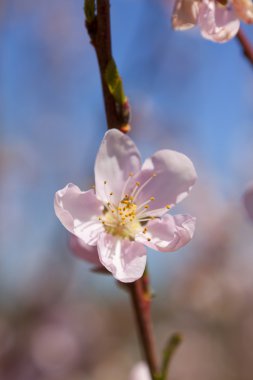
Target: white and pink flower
(219, 20)
(128, 209)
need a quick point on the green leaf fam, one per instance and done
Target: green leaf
(89, 10)
(114, 82)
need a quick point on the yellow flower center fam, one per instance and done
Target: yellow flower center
(127, 218)
(122, 220)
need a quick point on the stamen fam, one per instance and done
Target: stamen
(153, 213)
(147, 218)
(143, 185)
(127, 183)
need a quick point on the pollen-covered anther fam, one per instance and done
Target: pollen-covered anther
(148, 239)
(168, 207)
(152, 198)
(137, 184)
(111, 193)
(147, 206)
(105, 182)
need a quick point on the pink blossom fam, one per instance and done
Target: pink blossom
(248, 201)
(140, 372)
(219, 21)
(84, 251)
(128, 208)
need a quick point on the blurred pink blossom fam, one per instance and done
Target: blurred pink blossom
(248, 201)
(219, 21)
(128, 208)
(140, 372)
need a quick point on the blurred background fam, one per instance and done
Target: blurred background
(59, 320)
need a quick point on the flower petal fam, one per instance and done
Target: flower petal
(218, 23)
(78, 211)
(169, 233)
(84, 251)
(174, 178)
(248, 201)
(125, 259)
(185, 14)
(244, 10)
(116, 159)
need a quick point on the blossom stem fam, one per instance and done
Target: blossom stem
(99, 29)
(246, 46)
(141, 299)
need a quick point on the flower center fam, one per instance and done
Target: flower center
(129, 217)
(121, 220)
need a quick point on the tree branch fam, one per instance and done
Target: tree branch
(98, 26)
(246, 46)
(99, 30)
(141, 304)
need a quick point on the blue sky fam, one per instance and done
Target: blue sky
(186, 94)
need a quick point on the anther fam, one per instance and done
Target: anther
(137, 184)
(147, 206)
(148, 239)
(111, 193)
(105, 182)
(131, 174)
(152, 198)
(167, 206)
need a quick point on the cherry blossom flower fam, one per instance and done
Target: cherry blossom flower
(219, 21)
(248, 201)
(128, 208)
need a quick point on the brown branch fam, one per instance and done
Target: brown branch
(100, 33)
(141, 304)
(246, 46)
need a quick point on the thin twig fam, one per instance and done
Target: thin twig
(100, 34)
(141, 303)
(246, 46)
